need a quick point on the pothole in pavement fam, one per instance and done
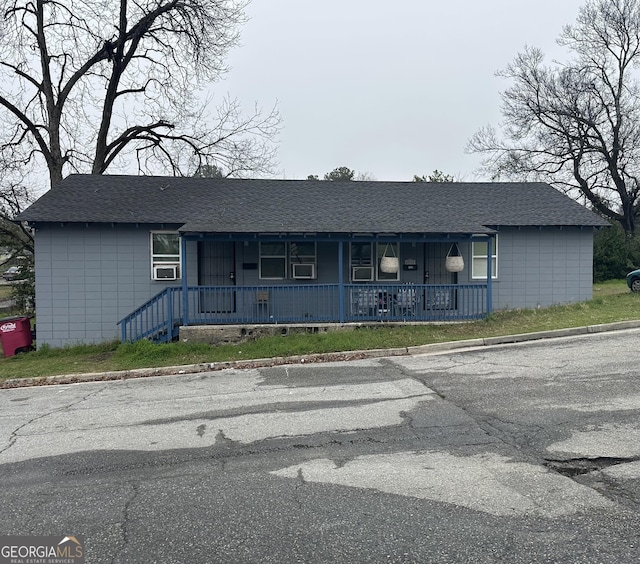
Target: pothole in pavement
(578, 466)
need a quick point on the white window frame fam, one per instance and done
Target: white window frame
(361, 263)
(479, 259)
(296, 258)
(277, 256)
(357, 271)
(373, 263)
(159, 260)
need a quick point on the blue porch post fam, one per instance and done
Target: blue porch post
(341, 280)
(183, 270)
(170, 313)
(489, 275)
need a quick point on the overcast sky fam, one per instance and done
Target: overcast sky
(392, 89)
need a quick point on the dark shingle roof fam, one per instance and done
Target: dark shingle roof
(276, 206)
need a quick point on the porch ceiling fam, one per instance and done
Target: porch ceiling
(292, 236)
(330, 227)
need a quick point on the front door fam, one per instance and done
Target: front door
(216, 269)
(435, 273)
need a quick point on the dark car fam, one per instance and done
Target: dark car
(12, 273)
(633, 280)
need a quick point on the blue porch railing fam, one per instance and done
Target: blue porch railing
(160, 318)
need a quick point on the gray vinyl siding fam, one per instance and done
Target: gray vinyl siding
(90, 277)
(538, 267)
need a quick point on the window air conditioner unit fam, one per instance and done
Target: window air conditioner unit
(165, 272)
(303, 271)
(361, 273)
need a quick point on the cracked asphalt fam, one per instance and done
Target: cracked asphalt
(527, 452)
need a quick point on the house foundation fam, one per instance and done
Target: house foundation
(234, 334)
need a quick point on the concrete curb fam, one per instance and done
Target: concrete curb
(434, 348)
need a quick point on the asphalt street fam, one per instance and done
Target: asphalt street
(518, 453)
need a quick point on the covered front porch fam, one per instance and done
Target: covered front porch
(284, 279)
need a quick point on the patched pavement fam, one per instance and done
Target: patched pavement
(520, 453)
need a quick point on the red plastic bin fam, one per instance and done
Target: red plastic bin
(15, 335)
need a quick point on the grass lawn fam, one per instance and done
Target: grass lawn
(612, 301)
(5, 291)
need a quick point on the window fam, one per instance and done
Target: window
(361, 261)
(165, 256)
(363, 268)
(273, 261)
(299, 256)
(302, 258)
(479, 259)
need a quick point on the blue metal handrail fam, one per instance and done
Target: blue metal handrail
(318, 303)
(157, 319)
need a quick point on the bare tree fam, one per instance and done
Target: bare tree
(92, 85)
(365, 177)
(576, 124)
(96, 85)
(14, 198)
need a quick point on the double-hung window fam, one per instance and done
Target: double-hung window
(361, 261)
(273, 261)
(365, 259)
(302, 260)
(295, 260)
(479, 251)
(165, 255)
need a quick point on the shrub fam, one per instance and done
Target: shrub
(24, 289)
(614, 253)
